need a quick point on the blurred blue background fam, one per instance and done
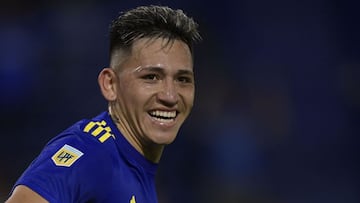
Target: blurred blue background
(276, 118)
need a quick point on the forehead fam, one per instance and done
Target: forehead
(159, 52)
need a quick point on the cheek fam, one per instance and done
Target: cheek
(127, 93)
(188, 96)
(134, 95)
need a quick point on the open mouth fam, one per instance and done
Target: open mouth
(163, 116)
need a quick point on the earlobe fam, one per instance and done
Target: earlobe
(107, 83)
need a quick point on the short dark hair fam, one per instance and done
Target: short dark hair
(152, 22)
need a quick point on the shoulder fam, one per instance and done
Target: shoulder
(74, 152)
(93, 136)
(85, 143)
(74, 161)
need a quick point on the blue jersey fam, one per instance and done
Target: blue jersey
(91, 162)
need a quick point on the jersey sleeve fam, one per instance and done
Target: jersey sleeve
(69, 169)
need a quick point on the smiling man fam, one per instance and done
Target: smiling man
(150, 90)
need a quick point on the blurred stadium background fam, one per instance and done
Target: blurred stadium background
(276, 118)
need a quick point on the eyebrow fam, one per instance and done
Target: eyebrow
(161, 70)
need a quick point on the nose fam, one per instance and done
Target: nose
(168, 95)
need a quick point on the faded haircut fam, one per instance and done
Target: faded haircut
(152, 22)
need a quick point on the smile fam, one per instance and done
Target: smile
(163, 116)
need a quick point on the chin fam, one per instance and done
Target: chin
(164, 139)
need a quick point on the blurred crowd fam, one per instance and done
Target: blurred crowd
(276, 116)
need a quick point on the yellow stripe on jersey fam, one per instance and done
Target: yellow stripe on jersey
(133, 199)
(98, 128)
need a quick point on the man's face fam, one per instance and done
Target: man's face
(155, 91)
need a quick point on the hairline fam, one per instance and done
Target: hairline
(124, 53)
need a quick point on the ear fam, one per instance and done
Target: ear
(107, 82)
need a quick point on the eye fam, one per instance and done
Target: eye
(150, 77)
(185, 79)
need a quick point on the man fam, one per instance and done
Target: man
(150, 90)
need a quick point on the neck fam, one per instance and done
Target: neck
(153, 153)
(150, 151)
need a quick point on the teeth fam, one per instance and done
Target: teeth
(163, 114)
(164, 120)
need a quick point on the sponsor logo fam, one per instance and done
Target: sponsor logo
(66, 156)
(100, 130)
